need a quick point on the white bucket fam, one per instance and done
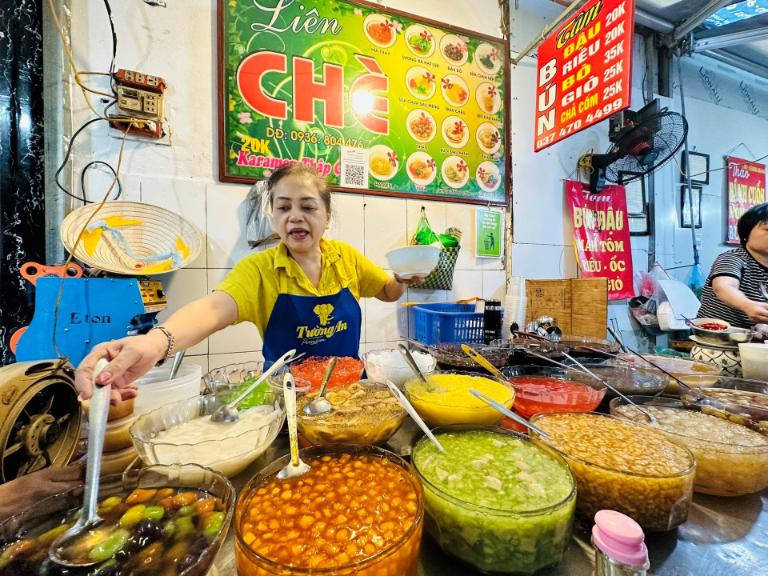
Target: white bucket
(754, 361)
(155, 390)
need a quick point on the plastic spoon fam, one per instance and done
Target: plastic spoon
(319, 405)
(228, 413)
(507, 412)
(604, 382)
(413, 414)
(482, 361)
(295, 467)
(89, 517)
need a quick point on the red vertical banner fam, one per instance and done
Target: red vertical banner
(584, 70)
(601, 236)
(746, 188)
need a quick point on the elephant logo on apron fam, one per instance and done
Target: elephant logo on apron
(324, 312)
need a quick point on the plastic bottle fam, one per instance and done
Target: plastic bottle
(619, 545)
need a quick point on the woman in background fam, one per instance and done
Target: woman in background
(737, 287)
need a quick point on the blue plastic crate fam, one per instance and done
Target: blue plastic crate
(438, 323)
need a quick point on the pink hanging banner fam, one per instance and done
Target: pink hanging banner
(601, 236)
(746, 188)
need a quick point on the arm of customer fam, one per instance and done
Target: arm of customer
(132, 357)
(19, 494)
(727, 289)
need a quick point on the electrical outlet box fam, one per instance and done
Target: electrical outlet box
(139, 99)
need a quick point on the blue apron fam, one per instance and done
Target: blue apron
(318, 325)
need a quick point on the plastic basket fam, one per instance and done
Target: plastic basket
(438, 323)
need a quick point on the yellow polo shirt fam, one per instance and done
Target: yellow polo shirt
(254, 282)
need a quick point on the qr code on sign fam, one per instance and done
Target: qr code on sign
(354, 175)
(354, 167)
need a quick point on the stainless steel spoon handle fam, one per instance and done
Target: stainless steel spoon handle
(327, 376)
(98, 413)
(289, 395)
(618, 392)
(411, 362)
(279, 363)
(413, 414)
(680, 383)
(552, 360)
(507, 412)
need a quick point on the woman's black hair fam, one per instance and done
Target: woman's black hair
(751, 218)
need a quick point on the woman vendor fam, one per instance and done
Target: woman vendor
(736, 288)
(301, 294)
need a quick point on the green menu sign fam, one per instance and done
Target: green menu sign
(377, 100)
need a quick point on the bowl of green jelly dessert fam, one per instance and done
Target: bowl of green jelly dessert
(495, 500)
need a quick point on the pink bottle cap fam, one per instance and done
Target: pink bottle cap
(620, 538)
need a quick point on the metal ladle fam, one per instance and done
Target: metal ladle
(295, 467)
(680, 383)
(507, 412)
(228, 413)
(604, 382)
(578, 365)
(89, 518)
(319, 405)
(415, 367)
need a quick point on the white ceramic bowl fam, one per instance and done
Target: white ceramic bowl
(410, 261)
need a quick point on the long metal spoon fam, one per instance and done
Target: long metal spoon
(680, 383)
(228, 413)
(604, 382)
(507, 412)
(296, 467)
(413, 414)
(89, 518)
(415, 367)
(319, 405)
(482, 361)
(616, 337)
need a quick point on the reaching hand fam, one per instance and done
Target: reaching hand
(23, 492)
(757, 312)
(129, 359)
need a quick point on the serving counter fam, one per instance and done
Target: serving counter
(722, 537)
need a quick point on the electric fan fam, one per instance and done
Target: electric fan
(642, 141)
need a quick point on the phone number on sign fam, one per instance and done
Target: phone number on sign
(578, 123)
(313, 138)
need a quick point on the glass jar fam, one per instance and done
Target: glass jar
(619, 545)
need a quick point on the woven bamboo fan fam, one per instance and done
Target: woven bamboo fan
(131, 238)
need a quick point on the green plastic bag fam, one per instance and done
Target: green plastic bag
(424, 234)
